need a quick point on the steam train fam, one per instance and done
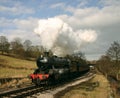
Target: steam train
(54, 69)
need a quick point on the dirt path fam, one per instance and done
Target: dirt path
(84, 90)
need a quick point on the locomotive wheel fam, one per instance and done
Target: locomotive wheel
(51, 80)
(38, 82)
(33, 81)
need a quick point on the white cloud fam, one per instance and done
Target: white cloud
(26, 24)
(57, 5)
(105, 20)
(16, 9)
(94, 17)
(110, 2)
(22, 28)
(23, 34)
(82, 3)
(5, 22)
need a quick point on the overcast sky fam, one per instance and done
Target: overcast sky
(19, 18)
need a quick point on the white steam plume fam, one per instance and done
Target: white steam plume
(60, 37)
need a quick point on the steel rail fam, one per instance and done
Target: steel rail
(30, 90)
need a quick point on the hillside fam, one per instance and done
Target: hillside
(14, 67)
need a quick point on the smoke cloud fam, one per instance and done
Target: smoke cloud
(58, 36)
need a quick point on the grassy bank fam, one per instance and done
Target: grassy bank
(86, 90)
(14, 67)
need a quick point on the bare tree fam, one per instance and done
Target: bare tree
(35, 51)
(27, 44)
(17, 46)
(4, 44)
(104, 64)
(114, 52)
(80, 55)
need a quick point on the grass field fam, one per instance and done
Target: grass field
(13, 67)
(82, 91)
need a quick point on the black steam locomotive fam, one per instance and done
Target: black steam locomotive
(53, 69)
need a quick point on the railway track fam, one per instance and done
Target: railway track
(31, 90)
(15, 93)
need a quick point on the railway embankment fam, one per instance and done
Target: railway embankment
(97, 87)
(115, 85)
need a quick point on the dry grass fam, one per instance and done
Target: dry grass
(13, 67)
(14, 62)
(99, 92)
(9, 72)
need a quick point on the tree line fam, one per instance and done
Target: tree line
(109, 63)
(17, 48)
(27, 50)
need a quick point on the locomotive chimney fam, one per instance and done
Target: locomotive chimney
(46, 54)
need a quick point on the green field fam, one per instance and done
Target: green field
(13, 67)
